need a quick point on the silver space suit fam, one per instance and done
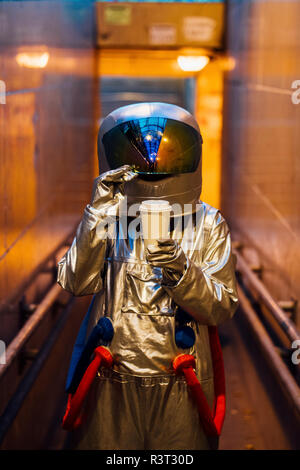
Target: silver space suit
(151, 151)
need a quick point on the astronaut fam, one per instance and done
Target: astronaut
(162, 300)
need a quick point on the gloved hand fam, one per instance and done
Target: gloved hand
(109, 187)
(169, 256)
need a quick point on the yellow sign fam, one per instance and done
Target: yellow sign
(118, 15)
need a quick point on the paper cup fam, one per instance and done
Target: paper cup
(155, 216)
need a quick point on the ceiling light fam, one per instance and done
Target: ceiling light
(192, 63)
(33, 60)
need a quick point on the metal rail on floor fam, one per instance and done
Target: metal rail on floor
(287, 325)
(27, 382)
(29, 328)
(16, 345)
(282, 373)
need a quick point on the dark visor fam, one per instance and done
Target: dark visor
(153, 145)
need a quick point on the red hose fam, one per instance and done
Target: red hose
(219, 378)
(72, 418)
(212, 421)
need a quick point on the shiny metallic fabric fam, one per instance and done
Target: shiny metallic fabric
(177, 188)
(141, 413)
(128, 290)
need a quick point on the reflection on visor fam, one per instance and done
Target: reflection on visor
(153, 145)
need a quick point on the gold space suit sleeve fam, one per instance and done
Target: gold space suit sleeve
(208, 292)
(79, 271)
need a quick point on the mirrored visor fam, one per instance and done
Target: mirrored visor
(153, 145)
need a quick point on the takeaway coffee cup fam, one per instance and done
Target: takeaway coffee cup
(155, 216)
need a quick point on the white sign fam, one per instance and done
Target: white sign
(198, 28)
(162, 34)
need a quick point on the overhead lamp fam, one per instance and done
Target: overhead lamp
(192, 63)
(33, 60)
